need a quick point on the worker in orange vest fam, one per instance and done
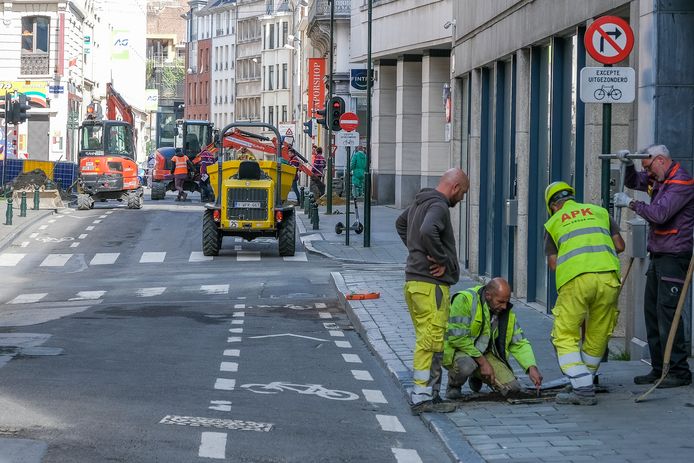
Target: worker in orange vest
(181, 167)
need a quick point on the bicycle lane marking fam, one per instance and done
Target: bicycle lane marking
(388, 423)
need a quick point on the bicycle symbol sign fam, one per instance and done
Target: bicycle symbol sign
(310, 389)
(608, 85)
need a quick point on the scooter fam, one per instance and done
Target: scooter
(357, 226)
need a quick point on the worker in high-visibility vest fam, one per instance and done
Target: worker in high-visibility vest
(581, 244)
(181, 167)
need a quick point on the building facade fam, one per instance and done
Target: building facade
(223, 68)
(276, 99)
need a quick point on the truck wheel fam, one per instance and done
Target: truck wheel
(287, 238)
(158, 190)
(211, 237)
(134, 201)
(84, 202)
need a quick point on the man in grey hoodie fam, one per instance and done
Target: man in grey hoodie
(432, 267)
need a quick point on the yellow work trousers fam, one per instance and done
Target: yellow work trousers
(428, 304)
(590, 298)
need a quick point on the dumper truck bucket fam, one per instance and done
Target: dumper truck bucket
(48, 199)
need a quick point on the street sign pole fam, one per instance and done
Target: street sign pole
(329, 167)
(606, 148)
(367, 173)
(348, 186)
(4, 153)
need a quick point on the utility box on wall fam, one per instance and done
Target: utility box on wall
(637, 238)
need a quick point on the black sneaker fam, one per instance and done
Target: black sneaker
(430, 406)
(475, 384)
(650, 378)
(674, 381)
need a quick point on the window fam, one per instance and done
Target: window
(264, 80)
(35, 34)
(271, 115)
(284, 113)
(272, 36)
(264, 37)
(277, 67)
(270, 77)
(285, 32)
(284, 75)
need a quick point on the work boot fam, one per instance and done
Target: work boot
(650, 378)
(475, 383)
(571, 398)
(185, 196)
(453, 393)
(674, 381)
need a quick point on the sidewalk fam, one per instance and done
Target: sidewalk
(616, 430)
(19, 224)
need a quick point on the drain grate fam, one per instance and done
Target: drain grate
(197, 421)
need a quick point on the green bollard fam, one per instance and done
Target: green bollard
(36, 199)
(8, 213)
(23, 205)
(307, 203)
(300, 199)
(315, 216)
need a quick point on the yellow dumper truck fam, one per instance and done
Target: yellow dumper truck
(251, 199)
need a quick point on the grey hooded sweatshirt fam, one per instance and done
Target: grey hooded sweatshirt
(425, 228)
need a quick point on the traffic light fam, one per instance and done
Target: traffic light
(308, 128)
(322, 117)
(337, 107)
(19, 109)
(94, 111)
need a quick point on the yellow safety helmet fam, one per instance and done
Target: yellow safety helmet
(556, 191)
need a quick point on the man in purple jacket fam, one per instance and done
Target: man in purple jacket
(670, 215)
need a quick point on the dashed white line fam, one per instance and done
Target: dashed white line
(343, 344)
(362, 375)
(97, 221)
(236, 330)
(197, 256)
(88, 295)
(406, 455)
(220, 405)
(297, 257)
(374, 396)
(234, 339)
(238, 314)
(225, 384)
(43, 227)
(24, 244)
(104, 258)
(232, 352)
(239, 306)
(230, 366)
(75, 244)
(247, 255)
(28, 298)
(336, 333)
(109, 212)
(390, 423)
(324, 315)
(89, 228)
(83, 236)
(51, 221)
(213, 445)
(320, 305)
(10, 259)
(150, 292)
(103, 216)
(237, 322)
(55, 260)
(33, 235)
(351, 358)
(152, 257)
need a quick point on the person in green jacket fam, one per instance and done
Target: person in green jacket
(357, 168)
(482, 334)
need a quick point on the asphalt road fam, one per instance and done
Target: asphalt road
(120, 342)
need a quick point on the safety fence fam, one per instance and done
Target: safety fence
(62, 172)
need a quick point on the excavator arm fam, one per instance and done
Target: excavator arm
(115, 104)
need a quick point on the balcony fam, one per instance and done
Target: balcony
(318, 21)
(35, 64)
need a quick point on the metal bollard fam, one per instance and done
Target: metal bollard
(36, 199)
(300, 199)
(23, 205)
(8, 213)
(307, 203)
(315, 216)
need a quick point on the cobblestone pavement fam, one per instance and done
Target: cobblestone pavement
(616, 430)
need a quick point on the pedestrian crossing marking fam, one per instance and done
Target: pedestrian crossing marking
(336, 333)
(104, 258)
(236, 330)
(89, 228)
(362, 375)
(215, 289)
(406, 455)
(232, 352)
(374, 396)
(234, 339)
(88, 295)
(232, 367)
(197, 256)
(10, 259)
(237, 322)
(321, 305)
(55, 260)
(28, 298)
(74, 245)
(351, 358)
(242, 256)
(152, 257)
(390, 423)
(325, 315)
(343, 344)
(297, 257)
(97, 221)
(83, 236)
(150, 292)
(225, 384)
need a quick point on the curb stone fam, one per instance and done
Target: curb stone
(459, 449)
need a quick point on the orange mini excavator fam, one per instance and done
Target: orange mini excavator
(107, 155)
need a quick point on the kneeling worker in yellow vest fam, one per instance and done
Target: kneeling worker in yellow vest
(581, 244)
(482, 333)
